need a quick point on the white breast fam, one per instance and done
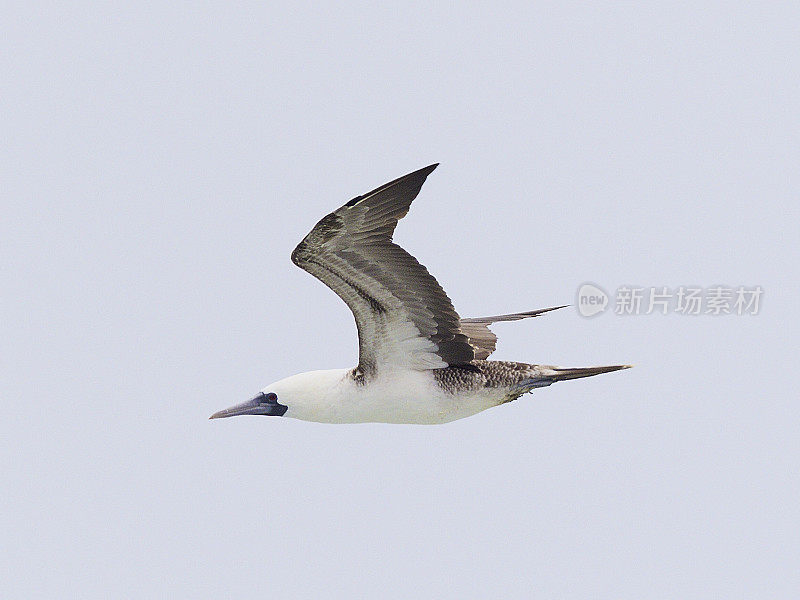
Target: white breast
(402, 396)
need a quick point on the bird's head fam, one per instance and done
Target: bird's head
(265, 403)
(296, 396)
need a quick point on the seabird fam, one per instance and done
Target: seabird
(418, 361)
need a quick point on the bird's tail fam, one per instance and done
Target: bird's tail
(543, 375)
(559, 374)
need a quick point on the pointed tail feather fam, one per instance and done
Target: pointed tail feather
(543, 375)
(559, 374)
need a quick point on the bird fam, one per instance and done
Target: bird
(418, 361)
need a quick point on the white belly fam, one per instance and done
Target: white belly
(400, 397)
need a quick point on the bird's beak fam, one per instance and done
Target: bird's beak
(251, 407)
(263, 404)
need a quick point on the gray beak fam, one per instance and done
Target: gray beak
(260, 405)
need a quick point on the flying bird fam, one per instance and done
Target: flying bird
(418, 361)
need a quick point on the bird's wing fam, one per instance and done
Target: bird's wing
(481, 337)
(404, 317)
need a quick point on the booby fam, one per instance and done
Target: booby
(418, 361)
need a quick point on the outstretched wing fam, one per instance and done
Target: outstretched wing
(404, 317)
(482, 338)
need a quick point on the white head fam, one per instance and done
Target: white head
(299, 396)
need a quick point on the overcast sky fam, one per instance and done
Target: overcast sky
(160, 162)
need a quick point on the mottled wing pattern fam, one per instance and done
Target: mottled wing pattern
(481, 337)
(403, 316)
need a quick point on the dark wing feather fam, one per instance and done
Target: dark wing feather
(404, 317)
(482, 338)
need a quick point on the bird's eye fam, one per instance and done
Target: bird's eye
(271, 397)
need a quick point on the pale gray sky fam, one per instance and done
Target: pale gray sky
(159, 163)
